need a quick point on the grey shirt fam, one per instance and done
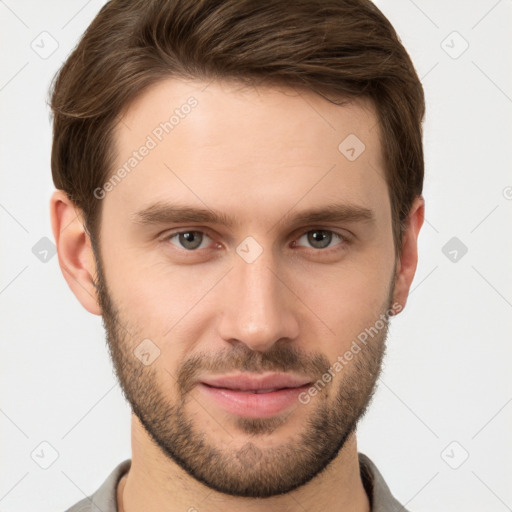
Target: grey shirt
(381, 499)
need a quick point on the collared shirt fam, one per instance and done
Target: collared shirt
(381, 499)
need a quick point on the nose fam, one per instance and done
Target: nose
(258, 307)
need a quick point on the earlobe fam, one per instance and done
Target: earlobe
(408, 260)
(76, 258)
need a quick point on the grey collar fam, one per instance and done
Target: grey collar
(381, 499)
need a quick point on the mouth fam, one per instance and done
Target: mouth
(256, 391)
(254, 395)
(256, 382)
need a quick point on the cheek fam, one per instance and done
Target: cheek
(166, 304)
(348, 302)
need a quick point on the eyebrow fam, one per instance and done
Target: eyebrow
(166, 213)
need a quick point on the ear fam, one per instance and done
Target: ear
(408, 260)
(76, 258)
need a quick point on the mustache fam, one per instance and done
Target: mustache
(280, 358)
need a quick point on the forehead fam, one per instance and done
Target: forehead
(211, 108)
(229, 146)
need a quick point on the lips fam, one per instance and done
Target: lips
(254, 395)
(254, 383)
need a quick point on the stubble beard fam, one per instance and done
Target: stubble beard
(249, 468)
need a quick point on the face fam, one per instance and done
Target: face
(245, 271)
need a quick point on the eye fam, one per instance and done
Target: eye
(321, 238)
(190, 240)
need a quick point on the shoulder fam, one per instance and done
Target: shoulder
(379, 494)
(104, 498)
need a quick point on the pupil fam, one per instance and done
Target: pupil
(187, 239)
(320, 237)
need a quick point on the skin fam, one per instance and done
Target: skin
(261, 155)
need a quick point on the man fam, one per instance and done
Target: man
(239, 197)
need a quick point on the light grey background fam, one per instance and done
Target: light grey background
(446, 390)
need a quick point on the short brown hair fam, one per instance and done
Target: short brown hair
(341, 49)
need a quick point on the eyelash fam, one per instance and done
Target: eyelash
(345, 240)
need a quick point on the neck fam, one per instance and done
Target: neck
(156, 483)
